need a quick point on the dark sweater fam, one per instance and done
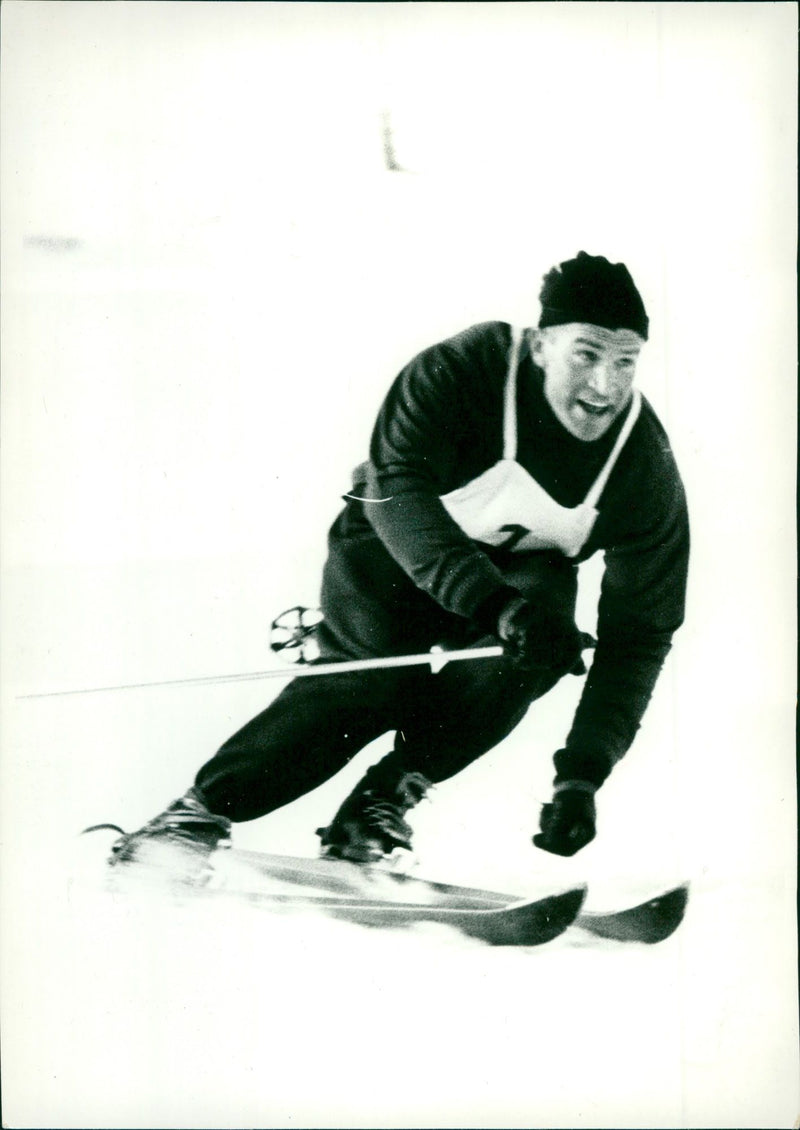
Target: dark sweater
(440, 426)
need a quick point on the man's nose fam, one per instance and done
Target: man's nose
(600, 378)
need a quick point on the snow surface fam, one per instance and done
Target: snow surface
(209, 283)
(158, 1015)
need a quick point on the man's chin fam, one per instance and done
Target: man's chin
(589, 424)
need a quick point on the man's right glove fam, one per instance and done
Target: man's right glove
(568, 822)
(537, 637)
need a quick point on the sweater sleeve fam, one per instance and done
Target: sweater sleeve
(426, 432)
(641, 605)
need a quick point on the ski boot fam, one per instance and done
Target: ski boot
(179, 842)
(370, 826)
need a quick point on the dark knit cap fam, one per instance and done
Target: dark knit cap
(590, 289)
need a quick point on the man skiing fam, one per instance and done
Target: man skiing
(500, 460)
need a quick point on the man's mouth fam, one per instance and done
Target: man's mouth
(594, 409)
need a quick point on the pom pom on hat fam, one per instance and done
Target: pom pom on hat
(592, 290)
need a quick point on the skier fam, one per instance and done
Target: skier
(500, 460)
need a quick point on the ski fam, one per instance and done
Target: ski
(525, 922)
(648, 922)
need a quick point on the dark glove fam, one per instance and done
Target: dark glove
(537, 637)
(568, 822)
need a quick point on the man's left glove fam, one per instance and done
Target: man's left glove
(568, 822)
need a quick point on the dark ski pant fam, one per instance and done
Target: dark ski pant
(442, 723)
(317, 724)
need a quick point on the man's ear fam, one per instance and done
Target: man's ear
(537, 339)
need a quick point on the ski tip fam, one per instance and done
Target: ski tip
(531, 922)
(649, 922)
(103, 828)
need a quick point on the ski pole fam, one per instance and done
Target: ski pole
(435, 658)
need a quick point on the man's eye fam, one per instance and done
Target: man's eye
(625, 363)
(586, 355)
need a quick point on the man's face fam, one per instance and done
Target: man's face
(588, 374)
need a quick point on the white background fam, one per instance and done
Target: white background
(210, 278)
